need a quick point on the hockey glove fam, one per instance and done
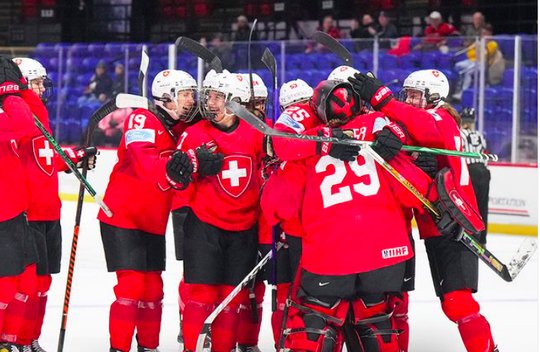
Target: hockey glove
(205, 161)
(179, 169)
(81, 154)
(428, 163)
(389, 140)
(371, 90)
(11, 78)
(344, 152)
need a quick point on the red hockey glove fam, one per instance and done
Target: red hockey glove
(344, 152)
(389, 140)
(179, 169)
(457, 215)
(371, 89)
(11, 78)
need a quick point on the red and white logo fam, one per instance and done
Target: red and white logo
(235, 175)
(459, 202)
(435, 73)
(43, 154)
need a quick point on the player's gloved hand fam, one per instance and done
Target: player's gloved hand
(179, 169)
(205, 160)
(269, 166)
(11, 78)
(447, 225)
(389, 140)
(344, 152)
(427, 162)
(80, 155)
(371, 89)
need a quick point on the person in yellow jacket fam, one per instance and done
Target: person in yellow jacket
(494, 62)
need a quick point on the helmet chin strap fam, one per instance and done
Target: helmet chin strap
(171, 117)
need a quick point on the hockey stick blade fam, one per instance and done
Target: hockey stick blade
(523, 255)
(124, 100)
(334, 46)
(262, 127)
(200, 51)
(269, 61)
(145, 61)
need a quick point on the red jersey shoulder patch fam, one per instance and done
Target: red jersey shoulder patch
(235, 175)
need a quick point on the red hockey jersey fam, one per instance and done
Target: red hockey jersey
(16, 124)
(138, 192)
(434, 128)
(230, 199)
(352, 212)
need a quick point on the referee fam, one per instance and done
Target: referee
(473, 141)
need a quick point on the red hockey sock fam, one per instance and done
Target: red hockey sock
(7, 293)
(277, 316)
(476, 334)
(14, 318)
(149, 324)
(122, 320)
(200, 303)
(42, 304)
(225, 329)
(248, 330)
(26, 333)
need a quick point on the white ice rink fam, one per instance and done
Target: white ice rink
(511, 308)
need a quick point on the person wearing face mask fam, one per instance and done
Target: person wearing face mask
(139, 196)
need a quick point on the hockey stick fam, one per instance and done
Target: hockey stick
(334, 46)
(250, 68)
(143, 69)
(507, 272)
(270, 62)
(97, 116)
(262, 127)
(200, 51)
(205, 331)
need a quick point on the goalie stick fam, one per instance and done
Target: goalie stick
(205, 333)
(200, 51)
(334, 46)
(506, 271)
(93, 121)
(262, 127)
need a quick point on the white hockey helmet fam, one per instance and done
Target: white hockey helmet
(165, 88)
(293, 92)
(433, 85)
(229, 86)
(33, 70)
(341, 73)
(259, 88)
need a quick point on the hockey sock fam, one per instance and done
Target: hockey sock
(460, 307)
(122, 323)
(150, 309)
(224, 329)
(248, 330)
(7, 293)
(26, 333)
(42, 304)
(277, 316)
(201, 302)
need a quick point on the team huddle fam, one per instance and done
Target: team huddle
(335, 217)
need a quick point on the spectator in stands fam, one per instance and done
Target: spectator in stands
(494, 63)
(329, 27)
(100, 87)
(367, 30)
(387, 30)
(435, 32)
(119, 81)
(241, 33)
(474, 29)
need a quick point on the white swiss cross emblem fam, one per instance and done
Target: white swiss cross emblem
(235, 175)
(43, 154)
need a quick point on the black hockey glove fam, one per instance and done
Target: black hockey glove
(447, 225)
(11, 78)
(179, 169)
(81, 154)
(344, 152)
(428, 163)
(206, 162)
(371, 89)
(389, 140)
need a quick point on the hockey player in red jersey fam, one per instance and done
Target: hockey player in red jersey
(221, 226)
(17, 247)
(433, 123)
(139, 185)
(41, 165)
